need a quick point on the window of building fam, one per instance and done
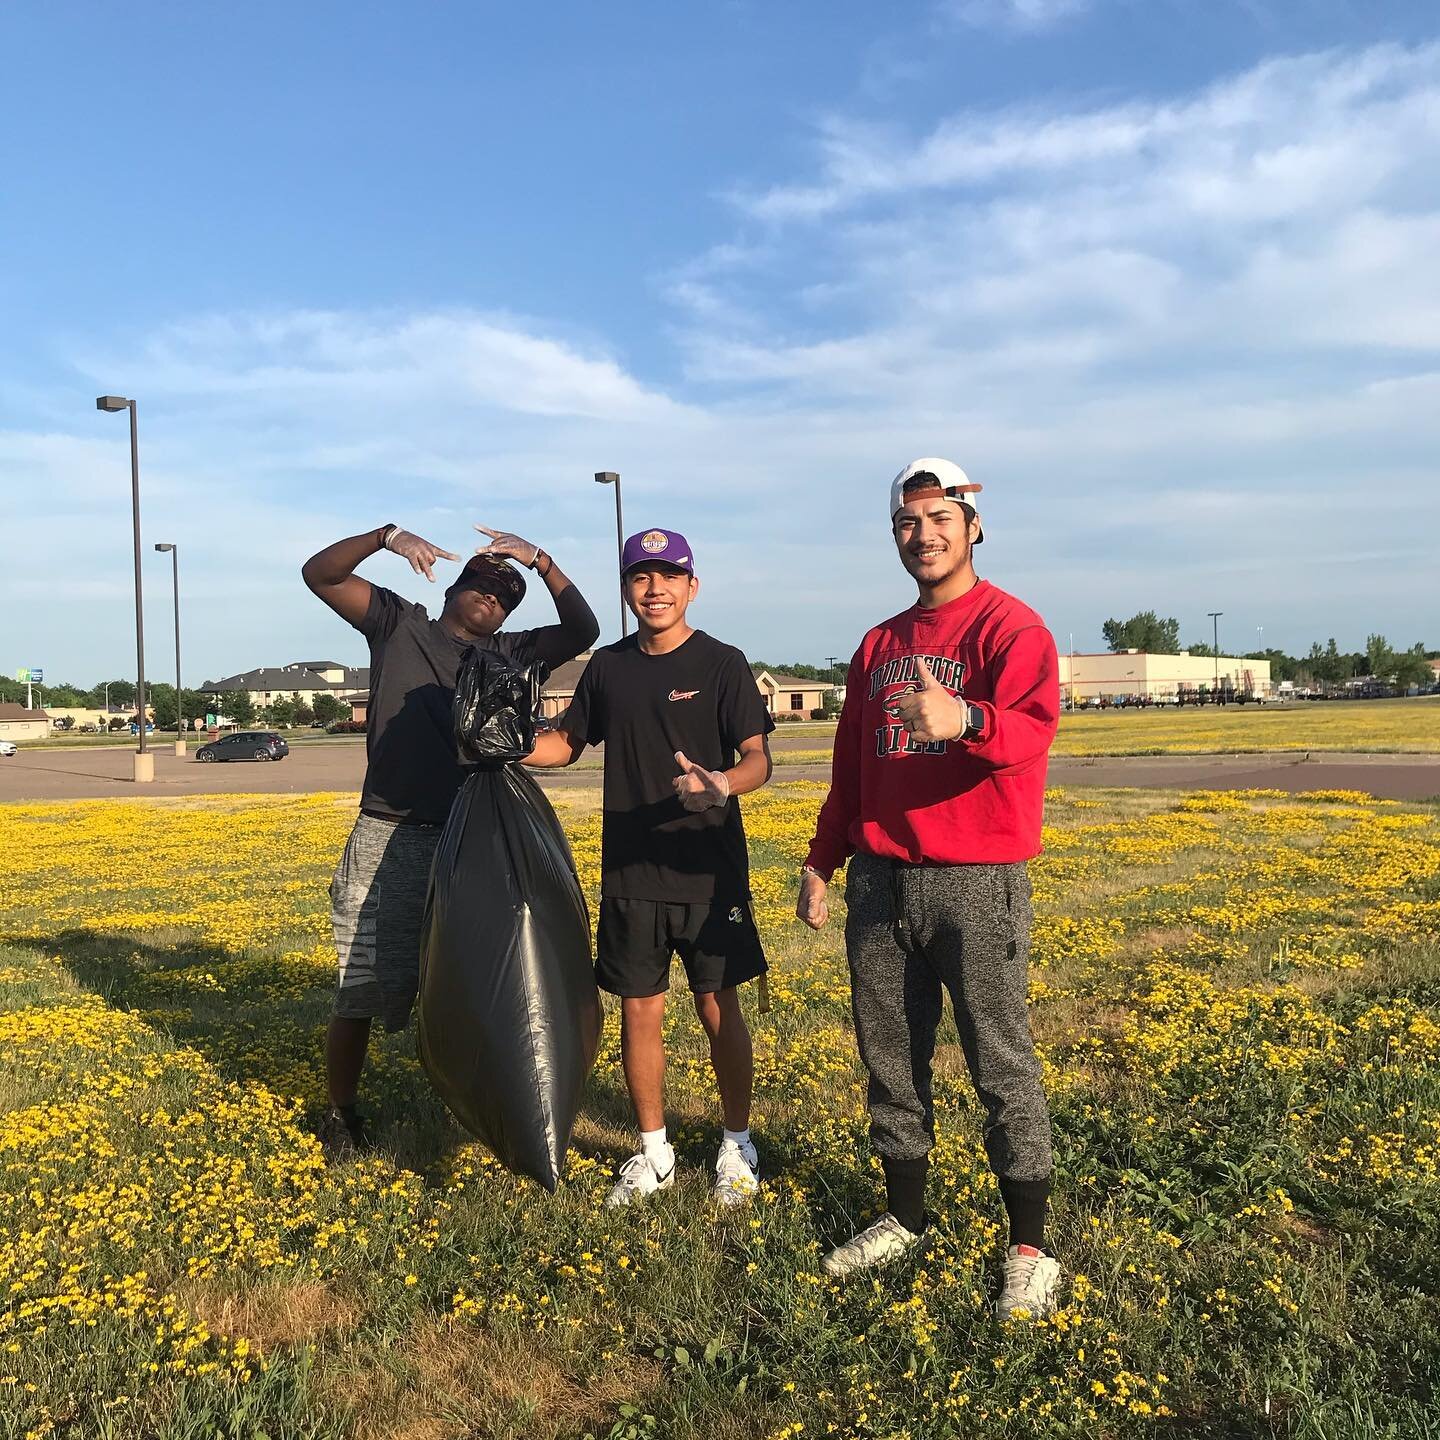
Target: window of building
(797, 700)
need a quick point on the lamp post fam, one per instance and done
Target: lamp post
(179, 693)
(1215, 623)
(612, 477)
(144, 760)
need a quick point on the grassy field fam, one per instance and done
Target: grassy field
(1374, 726)
(1238, 1002)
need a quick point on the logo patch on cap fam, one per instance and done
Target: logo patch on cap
(654, 541)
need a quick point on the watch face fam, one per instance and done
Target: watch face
(974, 719)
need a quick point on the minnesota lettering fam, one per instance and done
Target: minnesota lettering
(892, 738)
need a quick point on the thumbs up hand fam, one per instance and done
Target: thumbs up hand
(929, 712)
(698, 788)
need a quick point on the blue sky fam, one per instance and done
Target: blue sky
(1160, 275)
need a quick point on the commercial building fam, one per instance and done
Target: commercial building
(1120, 674)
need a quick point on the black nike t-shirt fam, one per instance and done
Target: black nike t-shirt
(699, 698)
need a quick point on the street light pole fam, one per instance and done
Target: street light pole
(144, 760)
(179, 693)
(612, 477)
(1215, 622)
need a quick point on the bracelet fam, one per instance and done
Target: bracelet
(384, 533)
(549, 564)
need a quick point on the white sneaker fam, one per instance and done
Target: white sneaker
(638, 1178)
(1031, 1284)
(737, 1173)
(886, 1240)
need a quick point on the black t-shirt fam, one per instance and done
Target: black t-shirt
(414, 768)
(700, 698)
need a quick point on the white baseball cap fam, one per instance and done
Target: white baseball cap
(931, 478)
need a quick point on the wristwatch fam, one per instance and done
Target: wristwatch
(974, 721)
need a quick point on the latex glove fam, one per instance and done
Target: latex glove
(698, 788)
(420, 553)
(930, 711)
(812, 907)
(504, 545)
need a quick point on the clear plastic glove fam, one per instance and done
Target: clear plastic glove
(812, 906)
(420, 553)
(698, 788)
(504, 545)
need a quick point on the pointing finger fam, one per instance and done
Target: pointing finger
(446, 555)
(493, 534)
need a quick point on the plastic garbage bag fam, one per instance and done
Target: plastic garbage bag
(509, 1014)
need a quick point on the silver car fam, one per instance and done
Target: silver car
(7, 747)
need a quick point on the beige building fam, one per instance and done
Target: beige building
(790, 695)
(18, 723)
(1113, 674)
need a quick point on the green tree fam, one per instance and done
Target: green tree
(162, 701)
(281, 711)
(303, 714)
(1200, 647)
(328, 709)
(1145, 631)
(122, 692)
(1379, 657)
(237, 705)
(1410, 667)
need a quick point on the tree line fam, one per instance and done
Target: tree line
(1323, 664)
(236, 705)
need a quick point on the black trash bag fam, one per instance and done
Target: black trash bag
(509, 1015)
(494, 707)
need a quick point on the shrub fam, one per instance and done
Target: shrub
(346, 727)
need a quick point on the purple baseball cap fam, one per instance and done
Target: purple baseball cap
(669, 546)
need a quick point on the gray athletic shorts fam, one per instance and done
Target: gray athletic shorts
(377, 901)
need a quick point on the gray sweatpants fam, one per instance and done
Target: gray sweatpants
(910, 931)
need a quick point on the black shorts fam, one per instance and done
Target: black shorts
(718, 944)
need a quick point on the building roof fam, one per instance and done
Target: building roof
(14, 710)
(291, 677)
(319, 665)
(794, 682)
(564, 678)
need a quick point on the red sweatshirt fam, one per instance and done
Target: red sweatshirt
(956, 802)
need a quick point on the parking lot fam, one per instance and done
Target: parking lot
(339, 765)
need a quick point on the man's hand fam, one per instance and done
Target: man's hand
(698, 788)
(506, 546)
(420, 553)
(931, 712)
(812, 906)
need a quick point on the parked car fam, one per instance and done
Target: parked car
(7, 747)
(245, 745)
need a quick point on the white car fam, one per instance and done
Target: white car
(7, 747)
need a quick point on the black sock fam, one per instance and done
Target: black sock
(1025, 1204)
(905, 1190)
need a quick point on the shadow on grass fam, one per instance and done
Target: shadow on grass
(257, 1021)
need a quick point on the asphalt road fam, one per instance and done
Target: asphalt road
(340, 765)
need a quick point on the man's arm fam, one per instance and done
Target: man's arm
(831, 843)
(578, 628)
(330, 573)
(553, 749)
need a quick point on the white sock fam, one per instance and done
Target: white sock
(654, 1145)
(740, 1137)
